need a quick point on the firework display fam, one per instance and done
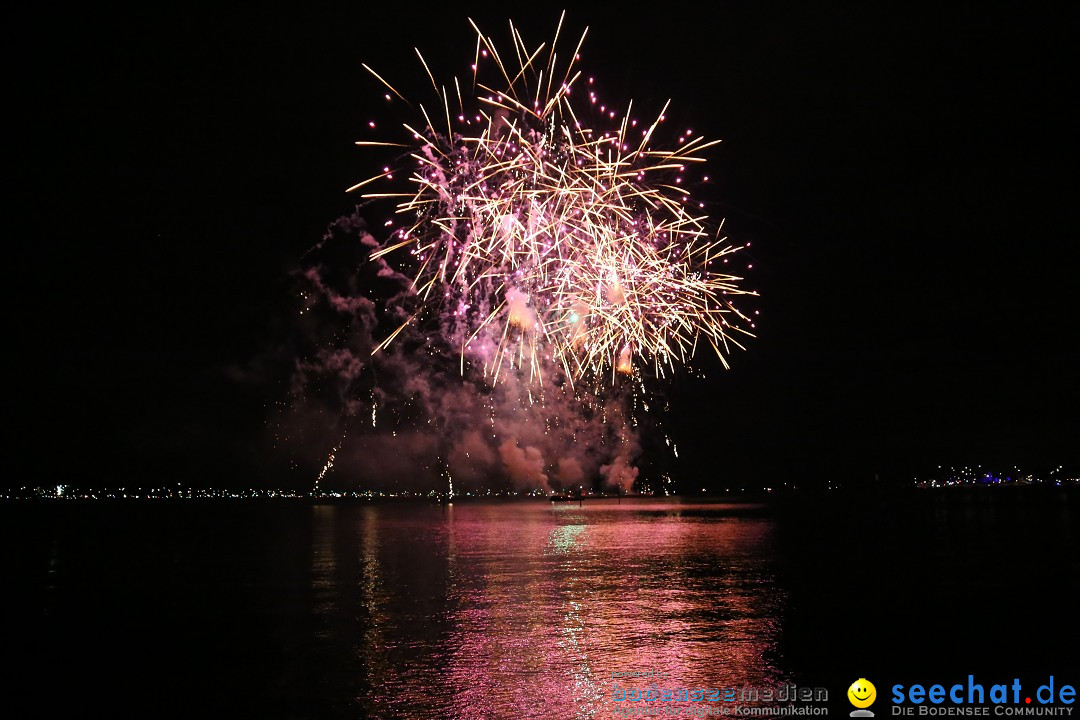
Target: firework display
(549, 231)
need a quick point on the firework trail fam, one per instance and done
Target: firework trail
(545, 267)
(539, 238)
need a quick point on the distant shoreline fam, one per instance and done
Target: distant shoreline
(779, 498)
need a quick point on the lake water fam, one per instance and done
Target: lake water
(522, 609)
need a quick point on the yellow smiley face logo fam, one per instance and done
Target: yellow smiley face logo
(862, 693)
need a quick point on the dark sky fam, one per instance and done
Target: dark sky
(904, 173)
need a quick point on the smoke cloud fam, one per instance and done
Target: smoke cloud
(429, 406)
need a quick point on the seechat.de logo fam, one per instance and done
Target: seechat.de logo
(976, 698)
(862, 694)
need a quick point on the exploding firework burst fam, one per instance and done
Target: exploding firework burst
(550, 230)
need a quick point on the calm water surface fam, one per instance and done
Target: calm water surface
(525, 610)
(518, 610)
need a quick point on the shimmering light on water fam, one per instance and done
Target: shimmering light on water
(526, 609)
(284, 609)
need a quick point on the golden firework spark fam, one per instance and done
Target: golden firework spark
(539, 236)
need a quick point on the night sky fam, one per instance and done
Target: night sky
(903, 172)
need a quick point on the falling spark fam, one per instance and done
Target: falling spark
(329, 463)
(547, 239)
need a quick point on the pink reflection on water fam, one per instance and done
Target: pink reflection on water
(543, 604)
